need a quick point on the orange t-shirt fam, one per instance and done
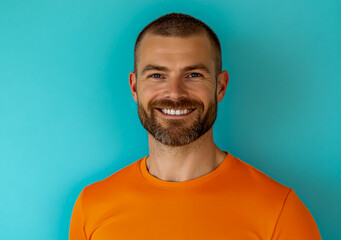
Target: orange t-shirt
(234, 201)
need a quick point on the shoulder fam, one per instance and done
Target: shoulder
(254, 177)
(277, 205)
(106, 195)
(119, 180)
(256, 185)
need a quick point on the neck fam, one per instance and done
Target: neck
(185, 162)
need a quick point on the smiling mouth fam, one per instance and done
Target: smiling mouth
(175, 112)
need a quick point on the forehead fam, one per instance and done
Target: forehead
(175, 51)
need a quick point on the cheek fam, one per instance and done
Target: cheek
(148, 92)
(204, 94)
(205, 90)
(151, 90)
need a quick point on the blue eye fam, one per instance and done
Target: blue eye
(157, 75)
(195, 74)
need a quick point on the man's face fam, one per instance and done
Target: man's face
(176, 90)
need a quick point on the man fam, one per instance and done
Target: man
(186, 188)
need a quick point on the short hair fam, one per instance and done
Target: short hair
(180, 25)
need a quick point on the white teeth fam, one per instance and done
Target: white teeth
(175, 112)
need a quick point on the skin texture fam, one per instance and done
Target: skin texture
(175, 84)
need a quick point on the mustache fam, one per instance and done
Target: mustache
(181, 103)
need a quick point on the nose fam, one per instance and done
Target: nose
(176, 88)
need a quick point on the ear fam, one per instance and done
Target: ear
(223, 80)
(132, 84)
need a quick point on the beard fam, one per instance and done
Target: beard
(175, 133)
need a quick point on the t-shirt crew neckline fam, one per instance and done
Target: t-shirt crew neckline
(183, 184)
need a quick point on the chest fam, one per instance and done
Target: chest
(195, 215)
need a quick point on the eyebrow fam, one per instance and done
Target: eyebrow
(150, 67)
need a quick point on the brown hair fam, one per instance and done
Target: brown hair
(180, 25)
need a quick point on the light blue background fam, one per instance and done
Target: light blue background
(67, 118)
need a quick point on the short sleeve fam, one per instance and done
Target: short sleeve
(295, 221)
(77, 229)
